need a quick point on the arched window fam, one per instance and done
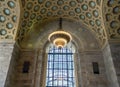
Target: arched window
(60, 67)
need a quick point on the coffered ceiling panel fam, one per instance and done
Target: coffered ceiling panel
(111, 12)
(9, 15)
(23, 18)
(88, 12)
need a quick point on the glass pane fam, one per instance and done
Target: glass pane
(60, 68)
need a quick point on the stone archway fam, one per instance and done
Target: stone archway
(33, 49)
(88, 53)
(91, 15)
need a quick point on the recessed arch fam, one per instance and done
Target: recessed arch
(86, 12)
(60, 70)
(95, 33)
(39, 37)
(44, 51)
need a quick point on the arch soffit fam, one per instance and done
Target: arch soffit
(111, 17)
(88, 12)
(81, 35)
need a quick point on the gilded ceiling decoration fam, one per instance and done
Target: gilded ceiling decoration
(9, 15)
(111, 11)
(88, 12)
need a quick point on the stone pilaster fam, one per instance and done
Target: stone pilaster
(110, 69)
(10, 79)
(38, 70)
(22, 79)
(6, 50)
(115, 52)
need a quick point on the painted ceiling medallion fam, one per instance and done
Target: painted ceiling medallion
(9, 25)
(60, 38)
(92, 4)
(11, 4)
(66, 7)
(82, 17)
(7, 11)
(14, 18)
(88, 15)
(40, 1)
(48, 4)
(84, 7)
(77, 10)
(3, 32)
(72, 3)
(29, 5)
(36, 8)
(2, 18)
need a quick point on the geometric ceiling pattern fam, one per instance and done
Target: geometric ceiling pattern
(97, 15)
(112, 18)
(9, 15)
(86, 11)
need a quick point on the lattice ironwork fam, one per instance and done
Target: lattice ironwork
(60, 68)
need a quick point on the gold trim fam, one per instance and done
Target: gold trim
(60, 32)
(60, 40)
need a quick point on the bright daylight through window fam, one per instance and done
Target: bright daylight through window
(60, 68)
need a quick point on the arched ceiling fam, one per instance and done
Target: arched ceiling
(111, 13)
(34, 12)
(81, 35)
(38, 11)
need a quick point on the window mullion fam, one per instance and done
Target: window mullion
(67, 66)
(72, 69)
(53, 67)
(60, 68)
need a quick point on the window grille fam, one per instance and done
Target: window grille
(60, 68)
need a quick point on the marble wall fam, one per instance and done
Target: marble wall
(115, 52)
(89, 78)
(108, 67)
(22, 79)
(6, 50)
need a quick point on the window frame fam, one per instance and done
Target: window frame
(67, 53)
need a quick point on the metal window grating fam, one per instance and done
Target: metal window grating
(60, 68)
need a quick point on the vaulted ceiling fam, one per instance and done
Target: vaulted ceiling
(111, 16)
(19, 17)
